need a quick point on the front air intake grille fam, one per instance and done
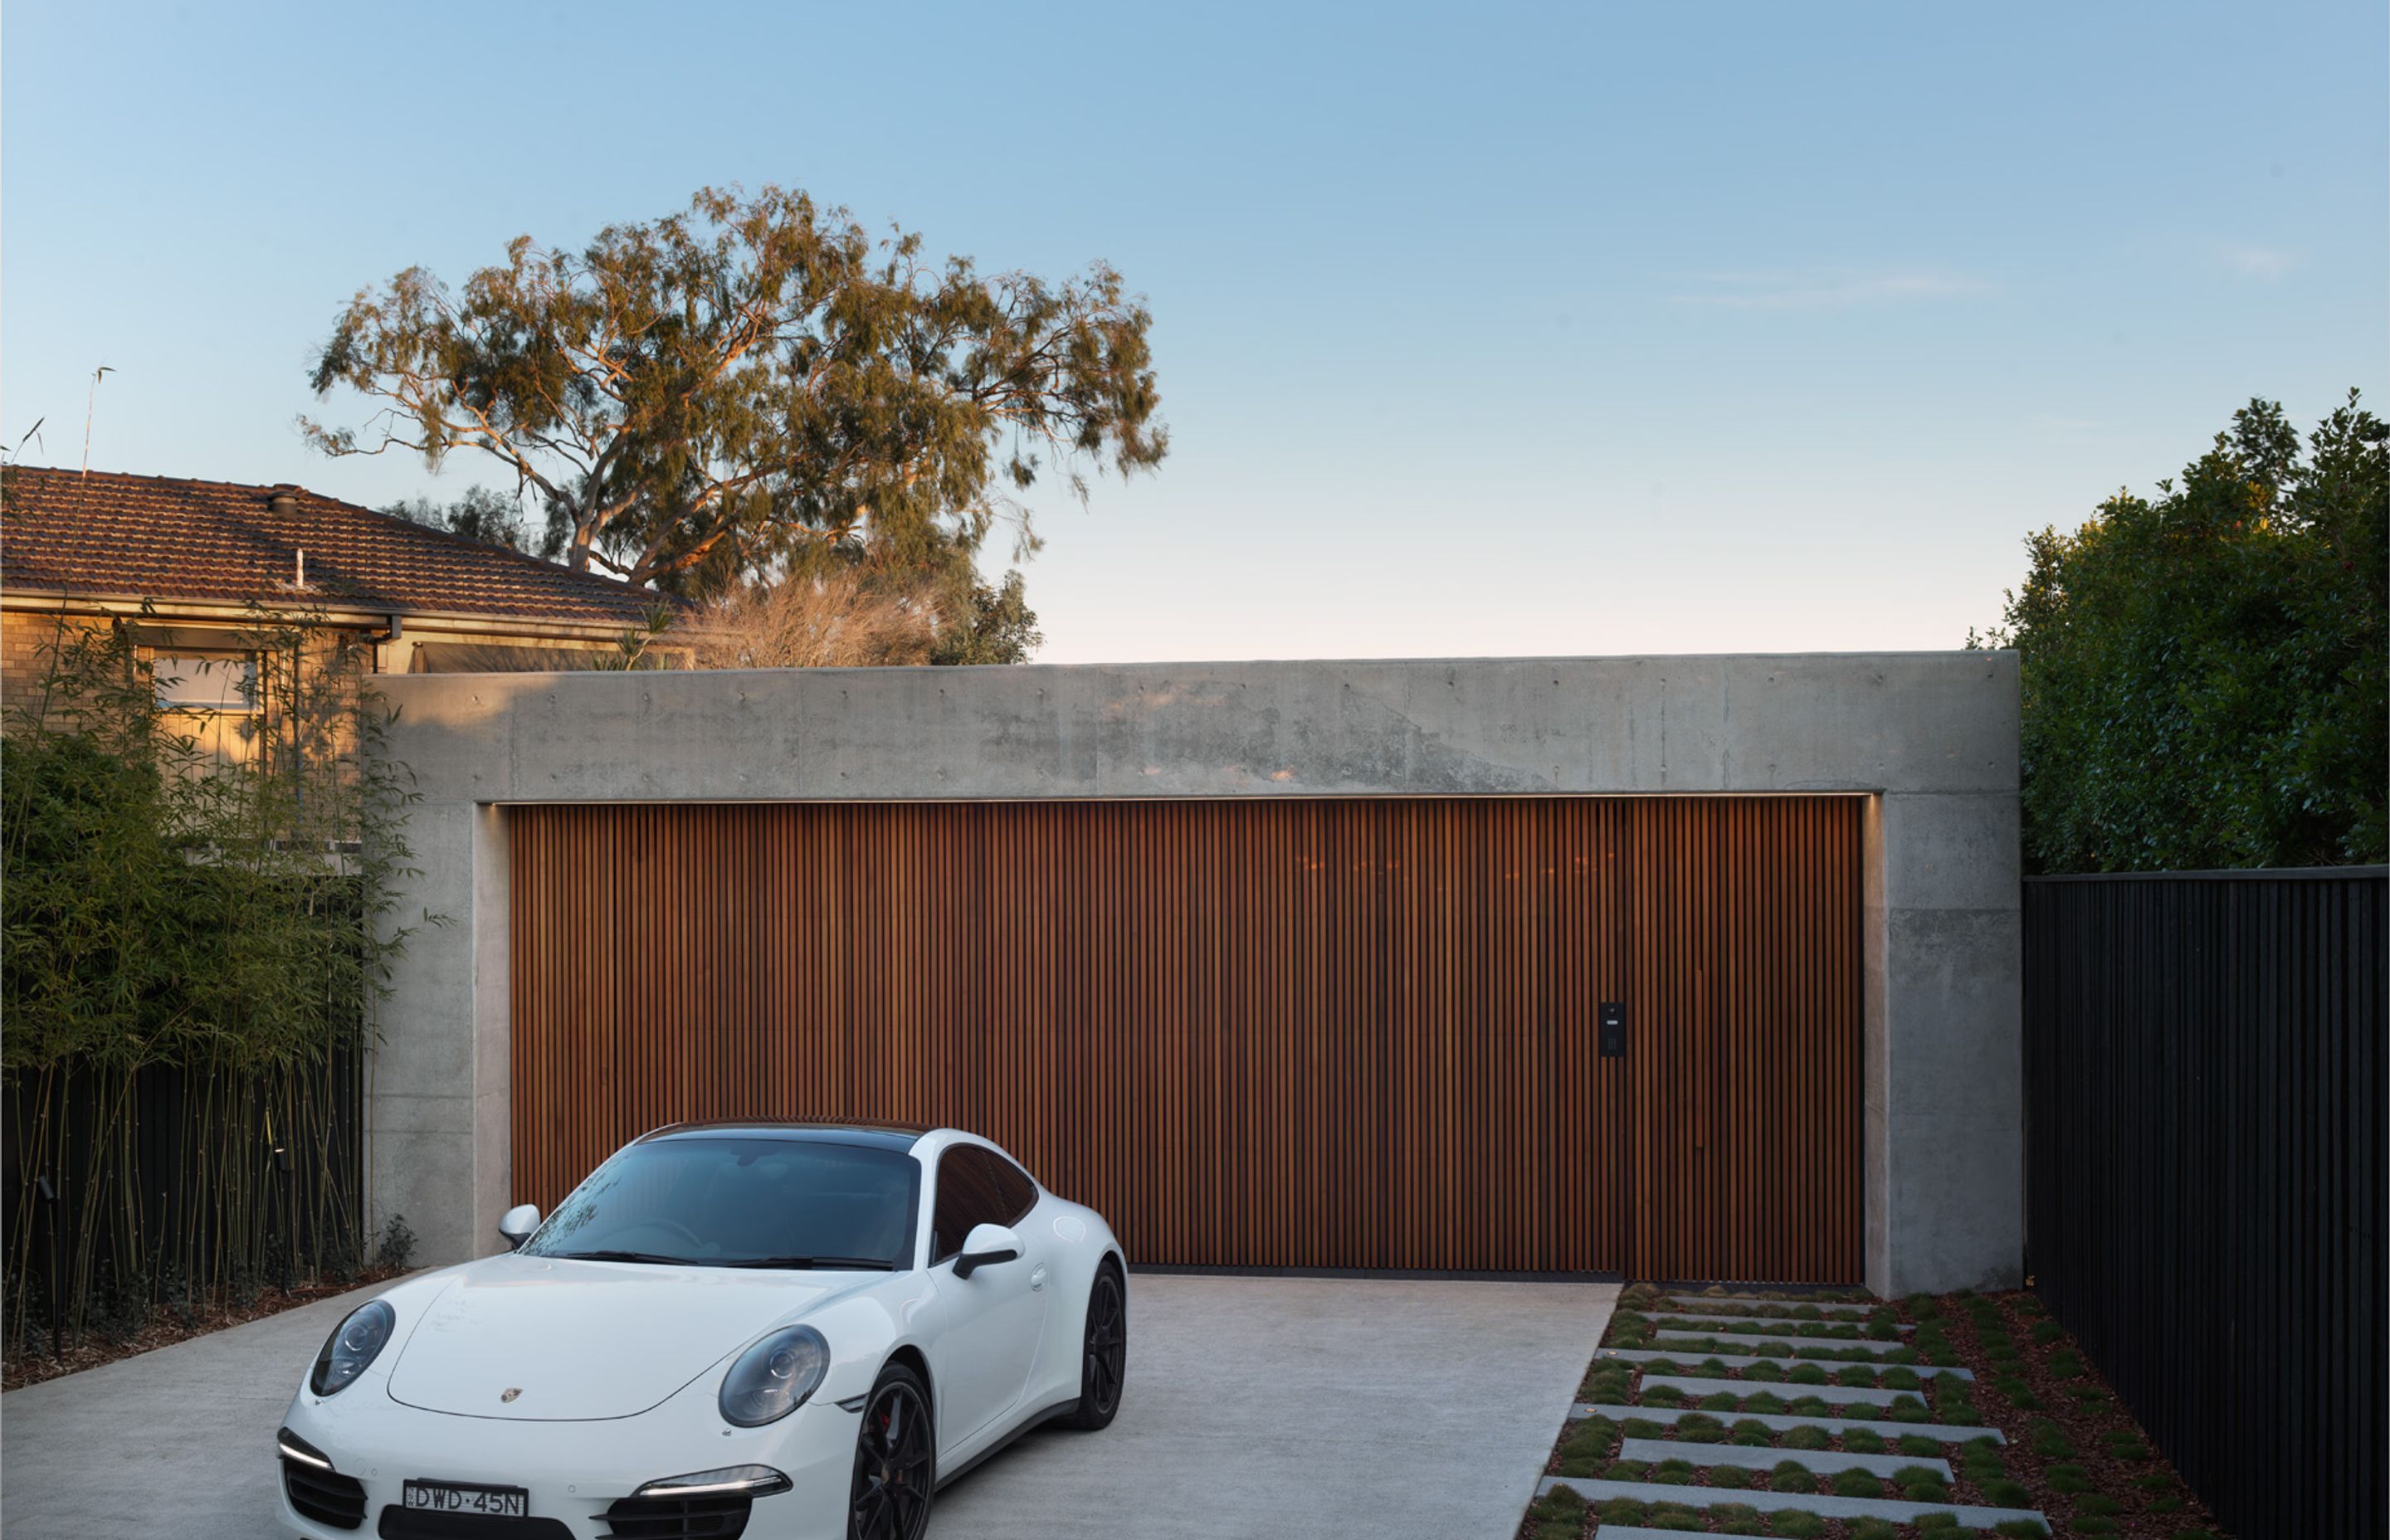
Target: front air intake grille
(401, 1524)
(720, 1516)
(324, 1497)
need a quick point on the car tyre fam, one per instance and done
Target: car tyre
(896, 1460)
(1103, 1352)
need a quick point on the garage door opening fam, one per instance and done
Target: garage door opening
(1301, 1033)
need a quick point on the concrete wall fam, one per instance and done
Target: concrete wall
(1934, 735)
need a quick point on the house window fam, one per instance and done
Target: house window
(206, 682)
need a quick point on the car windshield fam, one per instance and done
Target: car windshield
(741, 1203)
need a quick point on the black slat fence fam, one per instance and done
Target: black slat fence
(2204, 1072)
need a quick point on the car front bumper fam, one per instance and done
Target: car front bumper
(573, 1471)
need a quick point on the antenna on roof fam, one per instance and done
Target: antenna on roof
(89, 399)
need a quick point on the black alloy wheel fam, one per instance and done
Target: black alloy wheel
(896, 1461)
(1103, 1362)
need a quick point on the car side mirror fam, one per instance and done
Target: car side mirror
(517, 1223)
(987, 1245)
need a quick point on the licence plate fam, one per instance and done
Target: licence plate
(500, 1502)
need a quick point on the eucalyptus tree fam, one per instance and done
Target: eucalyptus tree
(755, 386)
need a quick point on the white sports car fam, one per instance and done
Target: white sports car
(785, 1330)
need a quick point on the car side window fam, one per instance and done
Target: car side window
(975, 1187)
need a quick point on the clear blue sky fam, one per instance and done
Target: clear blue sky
(1568, 329)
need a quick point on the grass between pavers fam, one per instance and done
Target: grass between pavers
(1885, 1330)
(2031, 1384)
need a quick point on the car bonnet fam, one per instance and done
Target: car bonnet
(547, 1339)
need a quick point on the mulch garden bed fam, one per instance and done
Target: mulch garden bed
(168, 1324)
(2073, 1452)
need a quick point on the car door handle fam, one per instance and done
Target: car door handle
(1037, 1278)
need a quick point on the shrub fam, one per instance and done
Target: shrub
(1858, 1375)
(1796, 1524)
(1660, 1395)
(1807, 1438)
(1863, 1441)
(1720, 1401)
(1917, 1447)
(1626, 1470)
(1808, 1406)
(1857, 1484)
(1732, 1477)
(1802, 1374)
(1764, 1403)
(2068, 1478)
(2002, 1492)
(1789, 1477)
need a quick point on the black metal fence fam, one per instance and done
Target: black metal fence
(2205, 1090)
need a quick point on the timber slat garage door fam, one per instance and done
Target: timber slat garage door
(1299, 1033)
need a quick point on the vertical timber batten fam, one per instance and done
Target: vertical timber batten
(1302, 1033)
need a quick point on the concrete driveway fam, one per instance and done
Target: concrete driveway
(1269, 1407)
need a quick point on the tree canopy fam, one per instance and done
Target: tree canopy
(2206, 673)
(756, 387)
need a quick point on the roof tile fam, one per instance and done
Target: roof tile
(165, 537)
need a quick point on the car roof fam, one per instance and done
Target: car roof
(883, 1136)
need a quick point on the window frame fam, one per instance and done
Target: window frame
(1001, 1162)
(243, 699)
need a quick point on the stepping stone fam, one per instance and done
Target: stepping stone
(1761, 1323)
(1651, 1450)
(1873, 1350)
(1733, 1361)
(1836, 1311)
(1940, 1433)
(1825, 1505)
(1847, 1394)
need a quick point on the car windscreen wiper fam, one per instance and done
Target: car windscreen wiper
(795, 1264)
(622, 1256)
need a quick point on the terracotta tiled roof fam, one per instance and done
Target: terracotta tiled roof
(163, 537)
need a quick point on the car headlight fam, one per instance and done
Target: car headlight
(773, 1378)
(356, 1343)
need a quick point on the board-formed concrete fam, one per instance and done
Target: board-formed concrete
(1930, 739)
